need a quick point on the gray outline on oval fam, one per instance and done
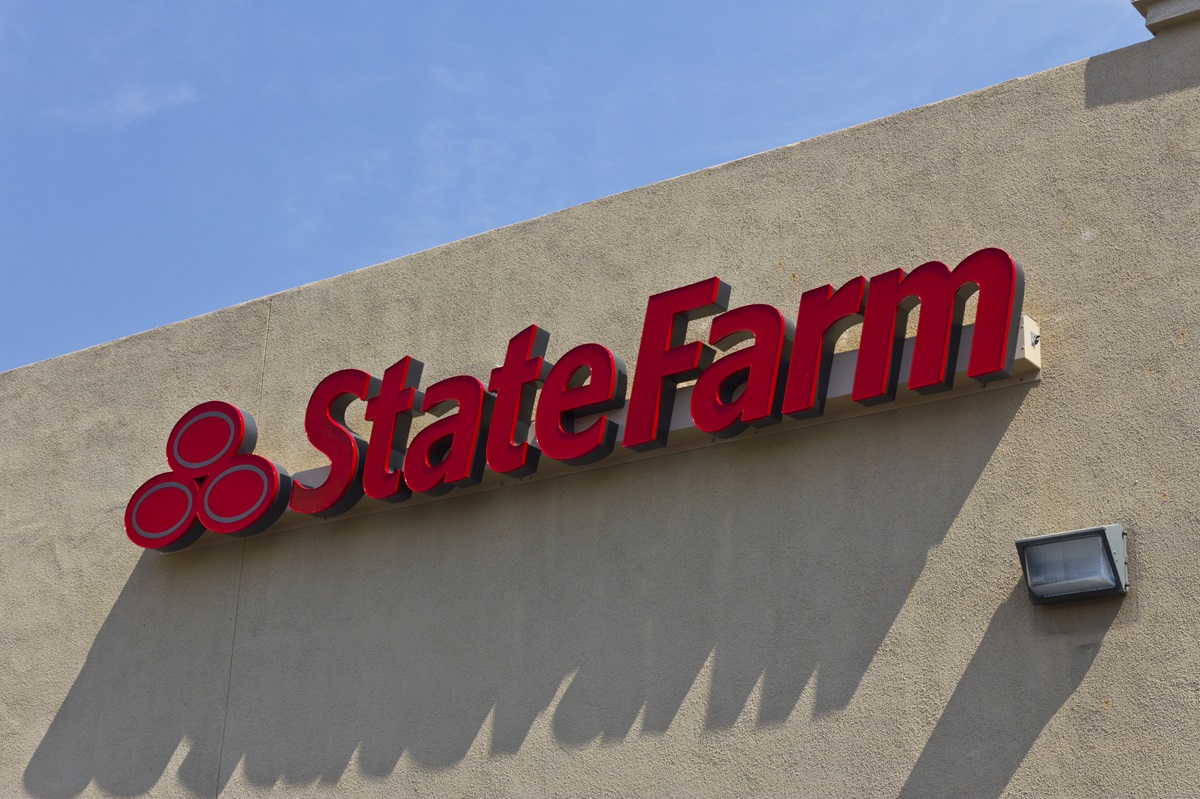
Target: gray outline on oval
(226, 473)
(224, 450)
(137, 528)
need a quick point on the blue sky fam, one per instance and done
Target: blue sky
(160, 160)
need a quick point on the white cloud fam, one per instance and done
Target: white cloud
(125, 106)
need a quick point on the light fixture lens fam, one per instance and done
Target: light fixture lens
(1079, 563)
(1069, 567)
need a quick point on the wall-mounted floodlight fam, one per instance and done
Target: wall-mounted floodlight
(1076, 564)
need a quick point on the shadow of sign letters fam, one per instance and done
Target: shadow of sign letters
(778, 558)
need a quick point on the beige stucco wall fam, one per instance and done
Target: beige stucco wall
(832, 611)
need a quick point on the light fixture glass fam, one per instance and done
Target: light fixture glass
(1075, 564)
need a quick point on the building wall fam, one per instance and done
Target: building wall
(832, 611)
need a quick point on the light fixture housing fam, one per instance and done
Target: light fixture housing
(1075, 564)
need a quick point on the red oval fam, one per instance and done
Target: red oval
(205, 438)
(161, 514)
(236, 499)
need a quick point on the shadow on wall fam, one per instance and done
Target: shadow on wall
(1169, 62)
(1009, 692)
(149, 682)
(776, 558)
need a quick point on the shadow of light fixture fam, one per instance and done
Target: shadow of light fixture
(1075, 565)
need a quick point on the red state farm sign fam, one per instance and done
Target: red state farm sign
(216, 483)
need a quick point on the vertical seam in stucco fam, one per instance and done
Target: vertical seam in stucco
(229, 674)
(262, 374)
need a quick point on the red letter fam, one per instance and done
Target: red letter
(588, 379)
(715, 408)
(514, 385)
(664, 360)
(325, 423)
(942, 295)
(824, 315)
(390, 413)
(449, 452)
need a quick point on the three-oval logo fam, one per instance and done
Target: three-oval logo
(215, 483)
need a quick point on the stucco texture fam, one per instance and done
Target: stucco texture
(832, 611)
